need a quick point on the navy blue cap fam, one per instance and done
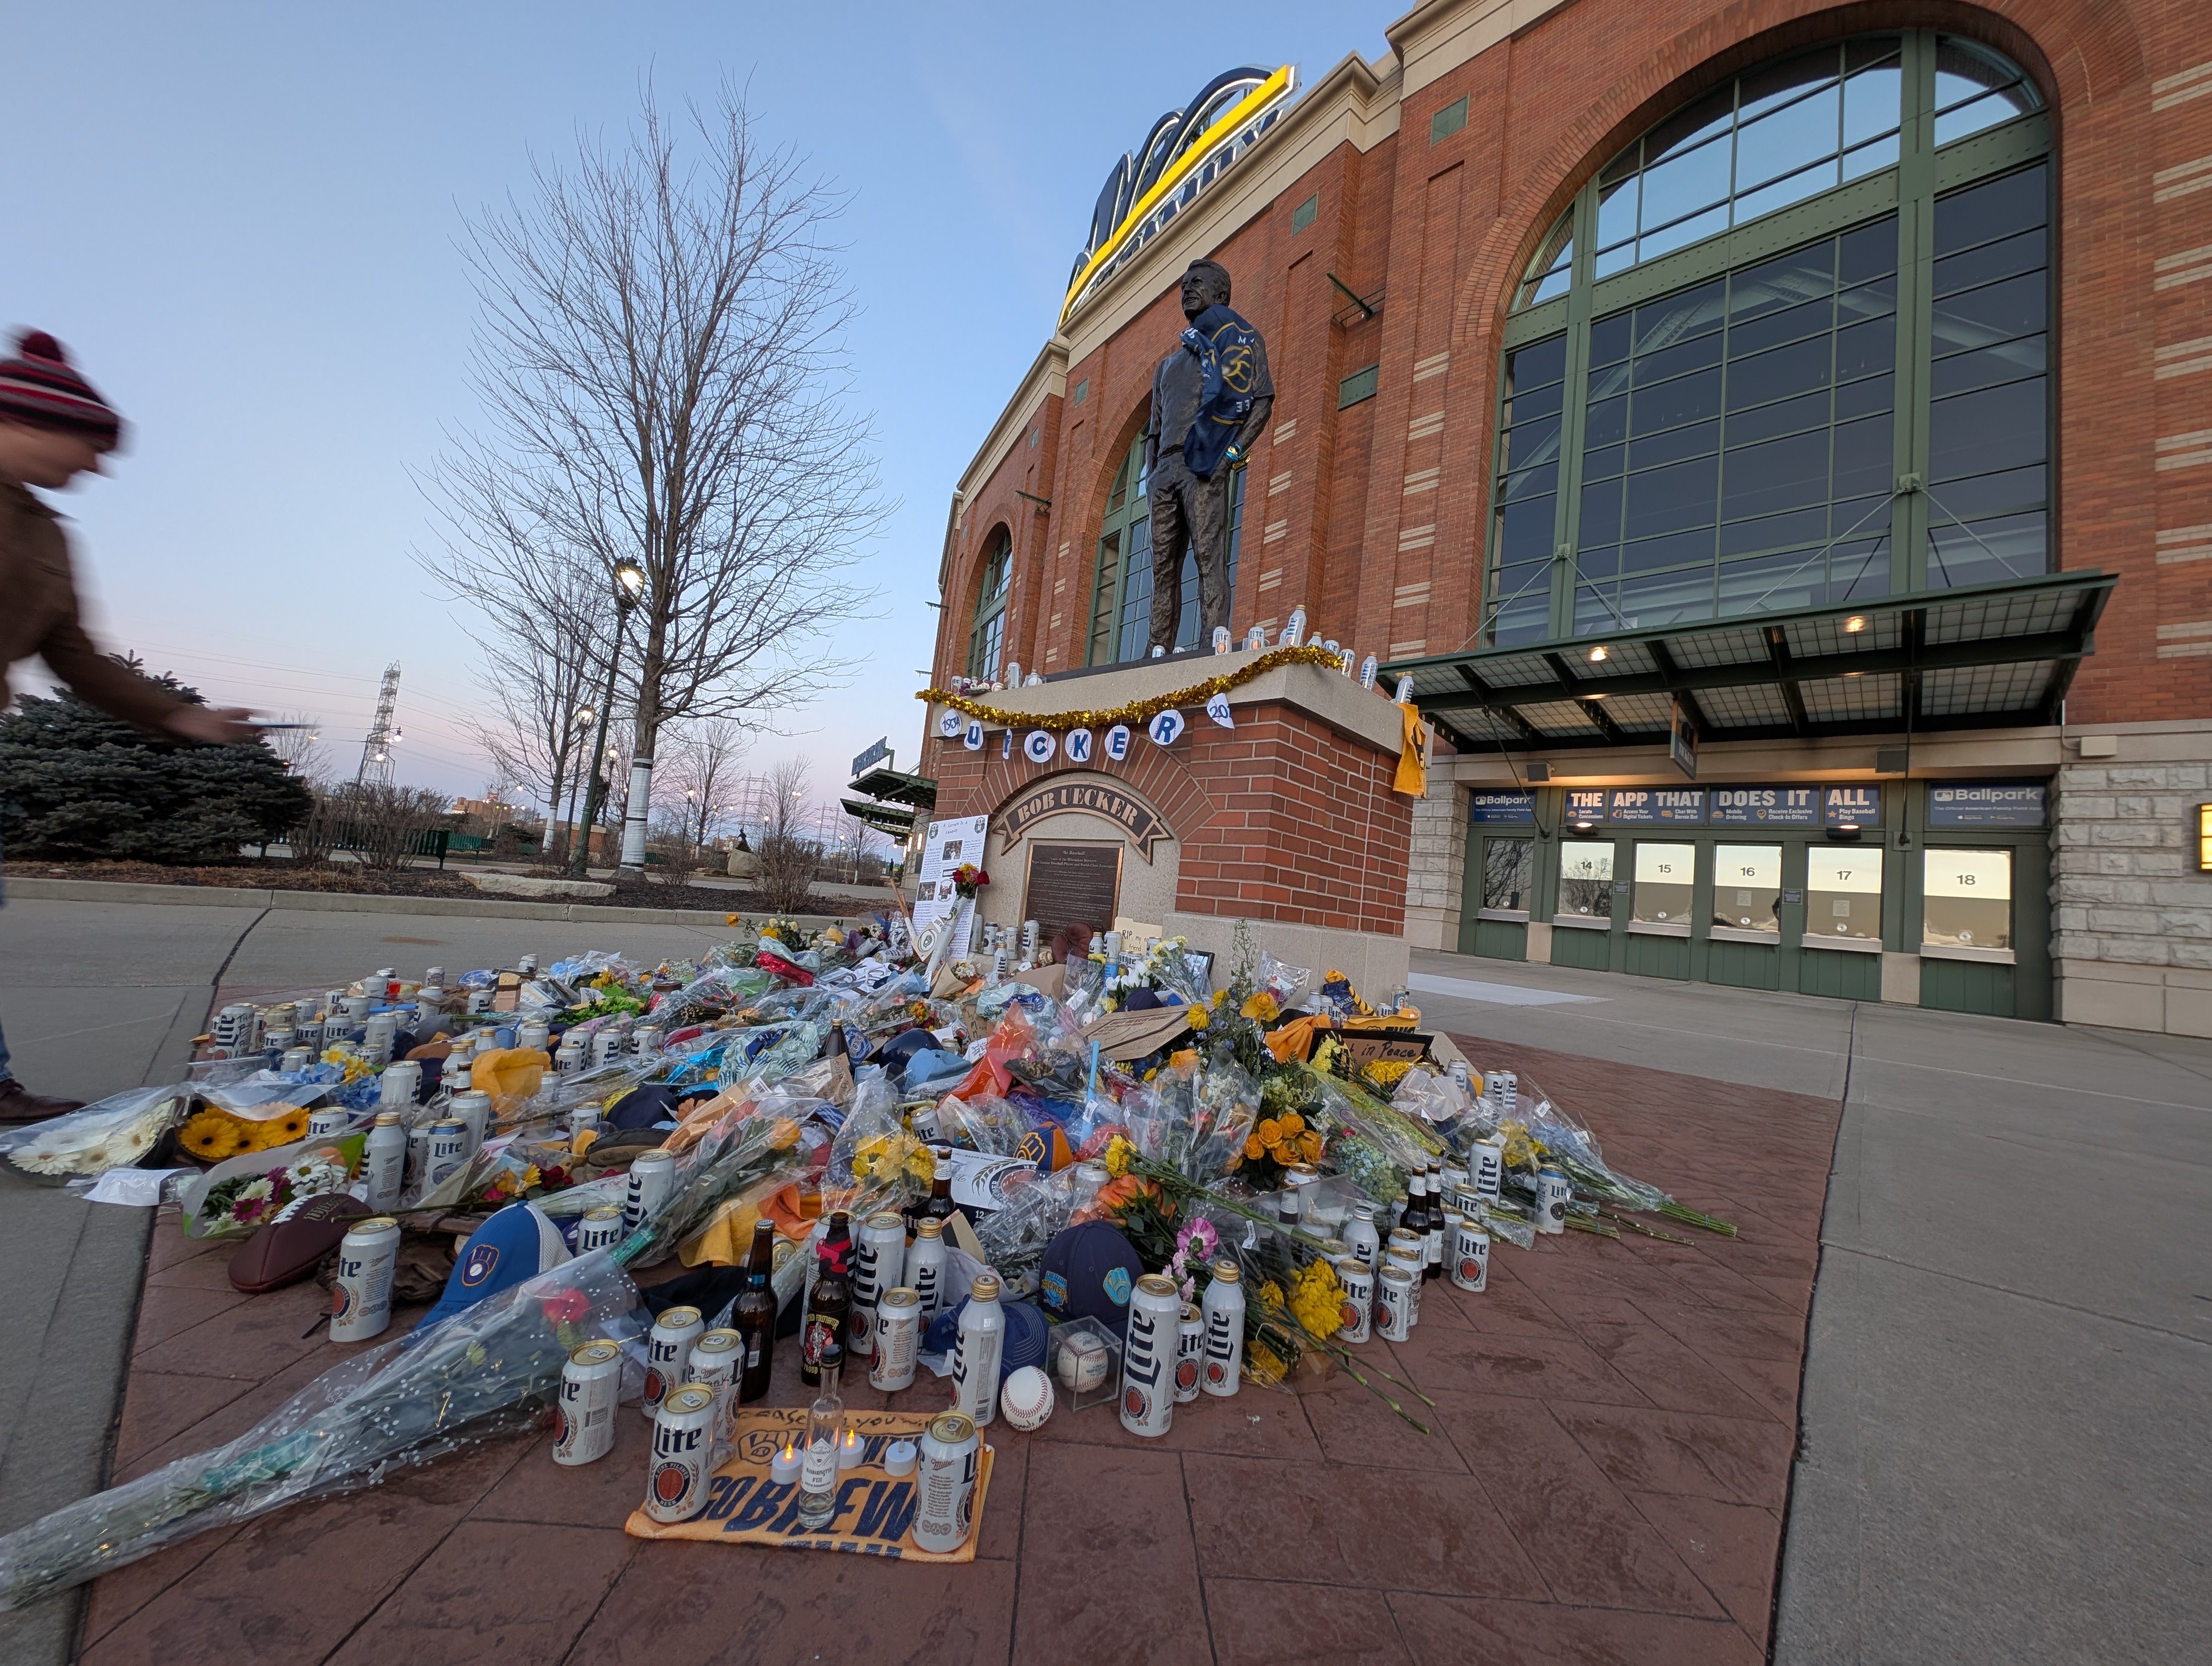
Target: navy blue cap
(1089, 1273)
(518, 1242)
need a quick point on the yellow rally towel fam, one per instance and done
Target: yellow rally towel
(875, 1510)
(1412, 753)
(510, 1075)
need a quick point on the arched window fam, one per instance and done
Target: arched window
(1121, 601)
(1787, 349)
(987, 640)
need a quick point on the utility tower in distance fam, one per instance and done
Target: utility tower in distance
(376, 750)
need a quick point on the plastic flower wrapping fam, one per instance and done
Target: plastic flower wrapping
(790, 1074)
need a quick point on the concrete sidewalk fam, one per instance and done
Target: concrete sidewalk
(2006, 1452)
(97, 997)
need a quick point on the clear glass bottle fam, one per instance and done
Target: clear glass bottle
(817, 1462)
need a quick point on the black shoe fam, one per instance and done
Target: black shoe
(18, 1106)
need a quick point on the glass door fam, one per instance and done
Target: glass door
(1505, 866)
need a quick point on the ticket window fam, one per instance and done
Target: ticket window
(1666, 876)
(1585, 885)
(1747, 891)
(1509, 875)
(1966, 903)
(1843, 897)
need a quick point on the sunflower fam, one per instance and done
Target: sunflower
(210, 1136)
(285, 1129)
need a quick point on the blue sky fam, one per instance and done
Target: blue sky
(242, 222)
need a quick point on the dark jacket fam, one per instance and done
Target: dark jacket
(37, 616)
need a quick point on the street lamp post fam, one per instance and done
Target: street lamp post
(630, 585)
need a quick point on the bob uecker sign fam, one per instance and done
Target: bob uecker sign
(1139, 824)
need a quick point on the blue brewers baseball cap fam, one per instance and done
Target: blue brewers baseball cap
(1089, 1272)
(518, 1242)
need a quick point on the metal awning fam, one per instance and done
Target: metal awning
(1992, 656)
(884, 817)
(917, 791)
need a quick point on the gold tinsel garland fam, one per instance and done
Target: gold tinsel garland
(1137, 711)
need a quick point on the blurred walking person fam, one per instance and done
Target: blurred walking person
(54, 428)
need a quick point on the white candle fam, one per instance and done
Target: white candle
(784, 1469)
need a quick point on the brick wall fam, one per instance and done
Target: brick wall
(1280, 819)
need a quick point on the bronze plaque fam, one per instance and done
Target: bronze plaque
(1072, 885)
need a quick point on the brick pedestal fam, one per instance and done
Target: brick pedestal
(1287, 821)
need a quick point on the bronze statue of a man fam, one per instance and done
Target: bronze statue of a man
(1211, 398)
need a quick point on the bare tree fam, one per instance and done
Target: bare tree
(700, 763)
(787, 856)
(300, 747)
(660, 360)
(542, 664)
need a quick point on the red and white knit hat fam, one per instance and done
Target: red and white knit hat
(38, 387)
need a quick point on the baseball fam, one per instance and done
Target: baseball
(1026, 1398)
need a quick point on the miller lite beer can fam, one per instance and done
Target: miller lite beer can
(1190, 1354)
(447, 1153)
(328, 1121)
(360, 1294)
(652, 1178)
(602, 1229)
(1358, 1315)
(666, 1350)
(1470, 1257)
(591, 1388)
(1486, 1168)
(717, 1359)
(924, 1267)
(879, 1260)
(1148, 1357)
(944, 1510)
(899, 1341)
(1394, 1306)
(683, 1453)
(1223, 1306)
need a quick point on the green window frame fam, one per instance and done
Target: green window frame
(987, 638)
(1788, 349)
(1447, 120)
(1121, 586)
(1306, 213)
(1359, 385)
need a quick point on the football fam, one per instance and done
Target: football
(1026, 1398)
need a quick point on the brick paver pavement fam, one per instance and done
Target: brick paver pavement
(1605, 1481)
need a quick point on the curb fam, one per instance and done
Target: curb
(323, 901)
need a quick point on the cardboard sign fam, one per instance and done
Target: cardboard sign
(746, 1505)
(1366, 1047)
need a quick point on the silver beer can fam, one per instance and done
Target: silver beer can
(278, 1039)
(1505, 1089)
(665, 1351)
(297, 1060)
(360, 1295)
(1148, 1357)
(1552, 1194)
(718, 1359)
(308, 1033)
(384, 1161)
(944, 1484)
(585, 1119)
(234, 1024)
(1470, 1261)
(683, 1453)
(878, 1259)
(533, 1033)
(474, 1109)
(448, 1152)
(645, 1040)
(1394, 1305)
(591, 1389)
(400, 1083)
(1486, 1168)
(898, 1340)
(602, 1229)
(652, 1179)
(924, 1267)
(567, 1058)
(1358, 1315)
(605, 1041)
(1190, 1354)
(328, 1121)
(527, 965)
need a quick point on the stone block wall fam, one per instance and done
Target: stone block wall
(2131, 936)
(1437, 874)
